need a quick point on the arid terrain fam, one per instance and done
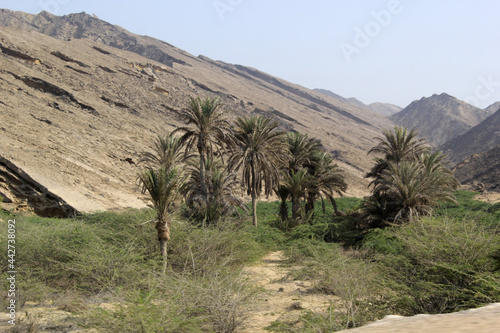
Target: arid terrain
(76, 113)
(80, 99)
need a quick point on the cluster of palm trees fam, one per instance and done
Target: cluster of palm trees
(211, 159)
(408, 181)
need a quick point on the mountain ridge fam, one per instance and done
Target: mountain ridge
(90, 108)
(384, 109)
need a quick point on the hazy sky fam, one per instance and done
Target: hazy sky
(392, 51)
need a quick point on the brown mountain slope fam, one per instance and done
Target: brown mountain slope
(384, 109)
(493, 107)
(440, 118)
(480, 171)
(75, 114)
(480, 138)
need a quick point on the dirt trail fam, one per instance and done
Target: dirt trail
(284, 298)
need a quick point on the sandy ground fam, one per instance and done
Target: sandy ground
(285, 297)
(489, 197)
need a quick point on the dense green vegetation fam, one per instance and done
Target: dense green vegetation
(446, 262)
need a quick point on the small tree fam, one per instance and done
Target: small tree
(296, 184)
(220, 199)
(409, 181)
(162, 186)
(167, 152)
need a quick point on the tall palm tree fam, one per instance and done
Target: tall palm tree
(260, 153)
(167, 152)
(162, 185)
(396, 146)
(208, 130)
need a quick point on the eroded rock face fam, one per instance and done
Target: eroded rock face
(22, 193)
(74, 111)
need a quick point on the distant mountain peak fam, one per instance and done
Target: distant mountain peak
(440, 117)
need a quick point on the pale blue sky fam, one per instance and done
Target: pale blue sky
(392, 51)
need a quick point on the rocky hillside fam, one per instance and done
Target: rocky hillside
(478, 139)
(385, 109)
(493, 107)
(76, 110)
(480, 171)
(440, 118)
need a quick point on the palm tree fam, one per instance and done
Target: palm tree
(283, 193)
(220, 200)
(296, 183)
(302, 150)
(208, 130)
(396, 146)
(326, 180)
(162, 185)
(409, 179)
(413, 188)
(167, 152)
(260, 152)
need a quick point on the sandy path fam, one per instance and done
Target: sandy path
(284, 298)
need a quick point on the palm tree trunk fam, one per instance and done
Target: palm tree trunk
(334, 204)
(163, 229)
(202, 173)
(311, 198)
(254, 209)
(254, 197)
(163, 249)
(283, 211)
(296, 208)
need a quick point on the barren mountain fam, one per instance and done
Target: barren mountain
(75, 112)
(480, 171)
(478, 139)
(385, 109)
(493, 107)
(440, 118)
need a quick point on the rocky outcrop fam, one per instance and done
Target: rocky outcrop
(482, 137)
(480, 172)
(21, 192)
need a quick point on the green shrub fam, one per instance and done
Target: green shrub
(143, 312)
(197, 250)
(446, 265)
(382, 241)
